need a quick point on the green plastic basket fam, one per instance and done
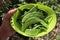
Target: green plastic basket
(33, 20)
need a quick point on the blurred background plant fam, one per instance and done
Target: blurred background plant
(6, 5)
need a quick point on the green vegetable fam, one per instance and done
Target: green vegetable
(33, 20)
